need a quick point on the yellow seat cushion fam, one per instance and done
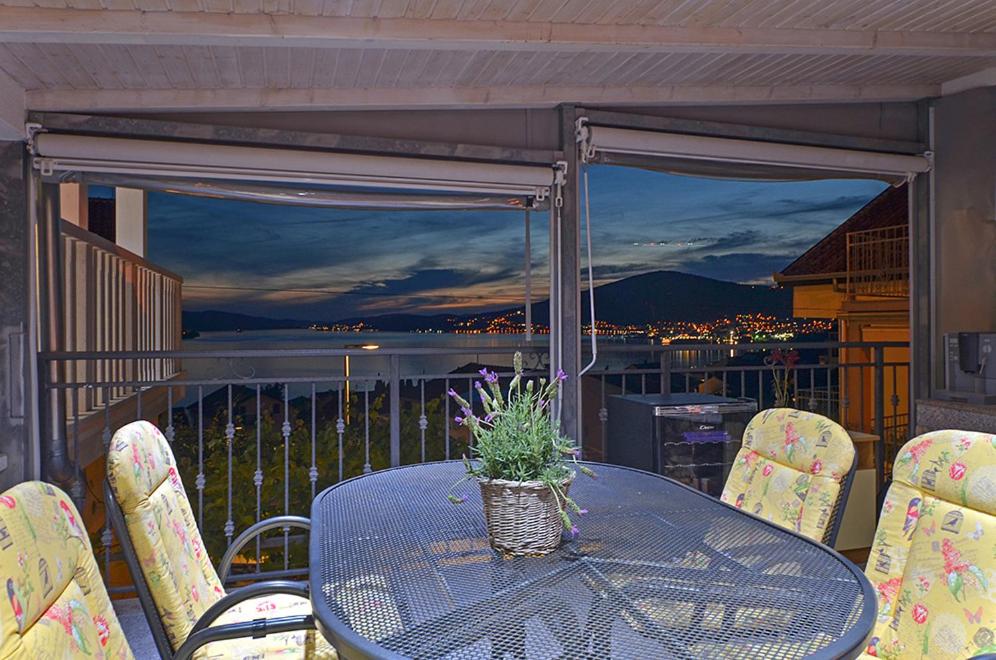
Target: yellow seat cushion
(55, 605)
(790, 470)
(295, 644)
(933, 561)
(142, 474)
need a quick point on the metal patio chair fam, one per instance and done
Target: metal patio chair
(932, 562)
(56, 604)
(795, 469)
(180, 591)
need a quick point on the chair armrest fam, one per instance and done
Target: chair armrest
(255, 629)
(277, 522)
(256, 590)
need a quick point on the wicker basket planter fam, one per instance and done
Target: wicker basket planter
(522, 518)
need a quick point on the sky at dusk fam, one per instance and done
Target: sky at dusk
(327, 264)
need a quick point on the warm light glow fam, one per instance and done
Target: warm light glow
(370, 347)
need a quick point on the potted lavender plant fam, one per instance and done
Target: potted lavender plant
(524, 466)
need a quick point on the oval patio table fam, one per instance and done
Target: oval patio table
(659, 570)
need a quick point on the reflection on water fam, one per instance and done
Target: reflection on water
(376, 364)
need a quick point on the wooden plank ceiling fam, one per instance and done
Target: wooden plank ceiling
(125, 54)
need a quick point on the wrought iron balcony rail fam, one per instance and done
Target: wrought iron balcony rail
(258, 432)
(878, 262)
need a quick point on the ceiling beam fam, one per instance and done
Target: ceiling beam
(984, 78)
(11, 109)
(49, 25)
(442, 98)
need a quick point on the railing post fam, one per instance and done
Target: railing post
(879, 353)
(665, 360)
(395, 385)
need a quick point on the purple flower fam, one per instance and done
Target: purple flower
(491, 377)
(477, 384)
(466, 411)
(458, 419)
(484, 372)
(575, 531)
(582, 511)
(561, 375)
(489, 417)
(452, 392)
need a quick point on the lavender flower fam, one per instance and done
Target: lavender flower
(581, 512)
(458, 419)
(561, 375)
(452, 392)
(575, 531)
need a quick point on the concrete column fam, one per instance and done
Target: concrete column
(131, 219)
(569, 275)
(74, 203)
(17, 461)
(964, 286)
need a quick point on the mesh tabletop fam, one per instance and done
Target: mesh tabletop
(658, 571)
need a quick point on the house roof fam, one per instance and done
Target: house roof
(829, 256)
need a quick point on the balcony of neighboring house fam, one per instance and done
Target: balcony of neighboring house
(115, 300)
(858, 275)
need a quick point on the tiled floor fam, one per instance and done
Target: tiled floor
(136, 629)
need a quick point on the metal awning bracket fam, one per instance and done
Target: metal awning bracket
(583, 138)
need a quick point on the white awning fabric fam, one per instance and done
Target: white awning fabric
(62, 153)
(754, 159)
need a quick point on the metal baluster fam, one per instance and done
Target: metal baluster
(199, 482)
(743, 383)
(423, 421)
(724, 382)
(285, 430)
(603, 418)
(107, 537)
(812, 390)
(366, 429)
(138, 402)
(313, 471)
(624, 384)
(845, 396)
(643, 384)
(688, 381)
(760, 389)
(229, 441)
(257, 477)
(340, 430)
(446, 413)
(170, 429)
(470, 399)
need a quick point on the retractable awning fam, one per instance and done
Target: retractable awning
(713, 156)
(64, 153)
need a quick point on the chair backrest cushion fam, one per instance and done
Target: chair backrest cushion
(790, 470)
(55, 603)
(142, 474)
(933, 561)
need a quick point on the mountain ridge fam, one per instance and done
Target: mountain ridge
(637, 300)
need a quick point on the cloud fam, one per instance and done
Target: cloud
(745, 268)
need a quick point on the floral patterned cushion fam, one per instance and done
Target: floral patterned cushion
(295, 644)
(790, 470)
(55, 603)
(184, 584)
(933, 561)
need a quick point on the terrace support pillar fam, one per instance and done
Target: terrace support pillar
(567, 324)
(18, 460)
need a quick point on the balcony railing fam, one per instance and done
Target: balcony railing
(258, 432)
(878, 262)
(114, 301)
